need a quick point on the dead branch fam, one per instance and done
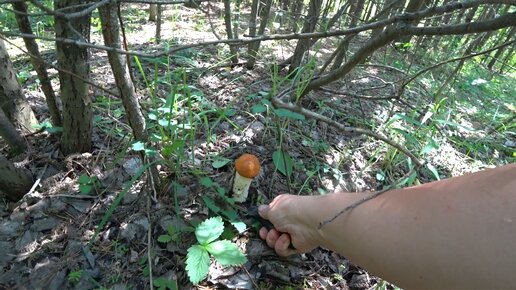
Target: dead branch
(313, 115)
(358, 96)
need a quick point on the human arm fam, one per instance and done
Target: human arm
(455, 233)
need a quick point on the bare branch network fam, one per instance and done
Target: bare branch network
(502, 21)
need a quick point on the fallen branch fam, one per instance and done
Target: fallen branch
(313, 115)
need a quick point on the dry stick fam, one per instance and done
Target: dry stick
(307, 113)
(149, 243)
(210, 21)
(124, 41)
(40, 176)
(358, 96)
(373, 196)
(61, 70)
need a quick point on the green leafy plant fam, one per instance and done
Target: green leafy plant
(224, 251)
(172, 235)
(87, 183)
(164, 284)
(75, 276)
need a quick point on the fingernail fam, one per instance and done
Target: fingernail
(262, 209)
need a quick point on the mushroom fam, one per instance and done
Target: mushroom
(247, 167)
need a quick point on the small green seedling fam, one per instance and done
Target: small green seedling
(87, 183)
(75, 276)
(224, 251)
(164, 284)
(172, 235)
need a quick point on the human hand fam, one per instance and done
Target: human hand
(293, 224)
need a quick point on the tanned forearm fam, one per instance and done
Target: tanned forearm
(454, 233)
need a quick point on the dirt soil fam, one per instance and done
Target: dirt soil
(44, 237)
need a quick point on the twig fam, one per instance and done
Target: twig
(358, 96)
(77, 196)
(38, 180)
(149, 243)
(307, 113)
(373, 196)
(210, 21)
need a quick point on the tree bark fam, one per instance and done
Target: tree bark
(111, 32)
(12, 101)
(77, 111)
(15, 182)
(390, 7)
(252, 28)
(158, 23)
(413, 6)
(153, 12)
(37, 63)
(11, 136)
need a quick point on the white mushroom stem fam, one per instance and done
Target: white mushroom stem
(241, 187)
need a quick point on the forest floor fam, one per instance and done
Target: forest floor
(218, 115)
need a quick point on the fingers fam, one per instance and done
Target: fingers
(282, 246)
(280, 242)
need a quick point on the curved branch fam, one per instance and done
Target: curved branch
(313, 115)
(389, 35)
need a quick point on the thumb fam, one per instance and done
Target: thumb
(263, 210)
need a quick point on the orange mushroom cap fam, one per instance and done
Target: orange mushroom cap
(247, 165)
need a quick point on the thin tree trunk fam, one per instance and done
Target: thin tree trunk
(252, 28)
(388, 7)
(255, 46)
(15, 182)
(499, 51)
(111, 33)
(296, 11)
(304, 44)
(506, 60)
(11, 136)
(458, 67)
(413, 6)
(229, 32)
(77, 110)
(158, 23)
(236, 20)
(153, 12)
(343, 46)
(328, 25)
(12, 101)
(37, 63)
